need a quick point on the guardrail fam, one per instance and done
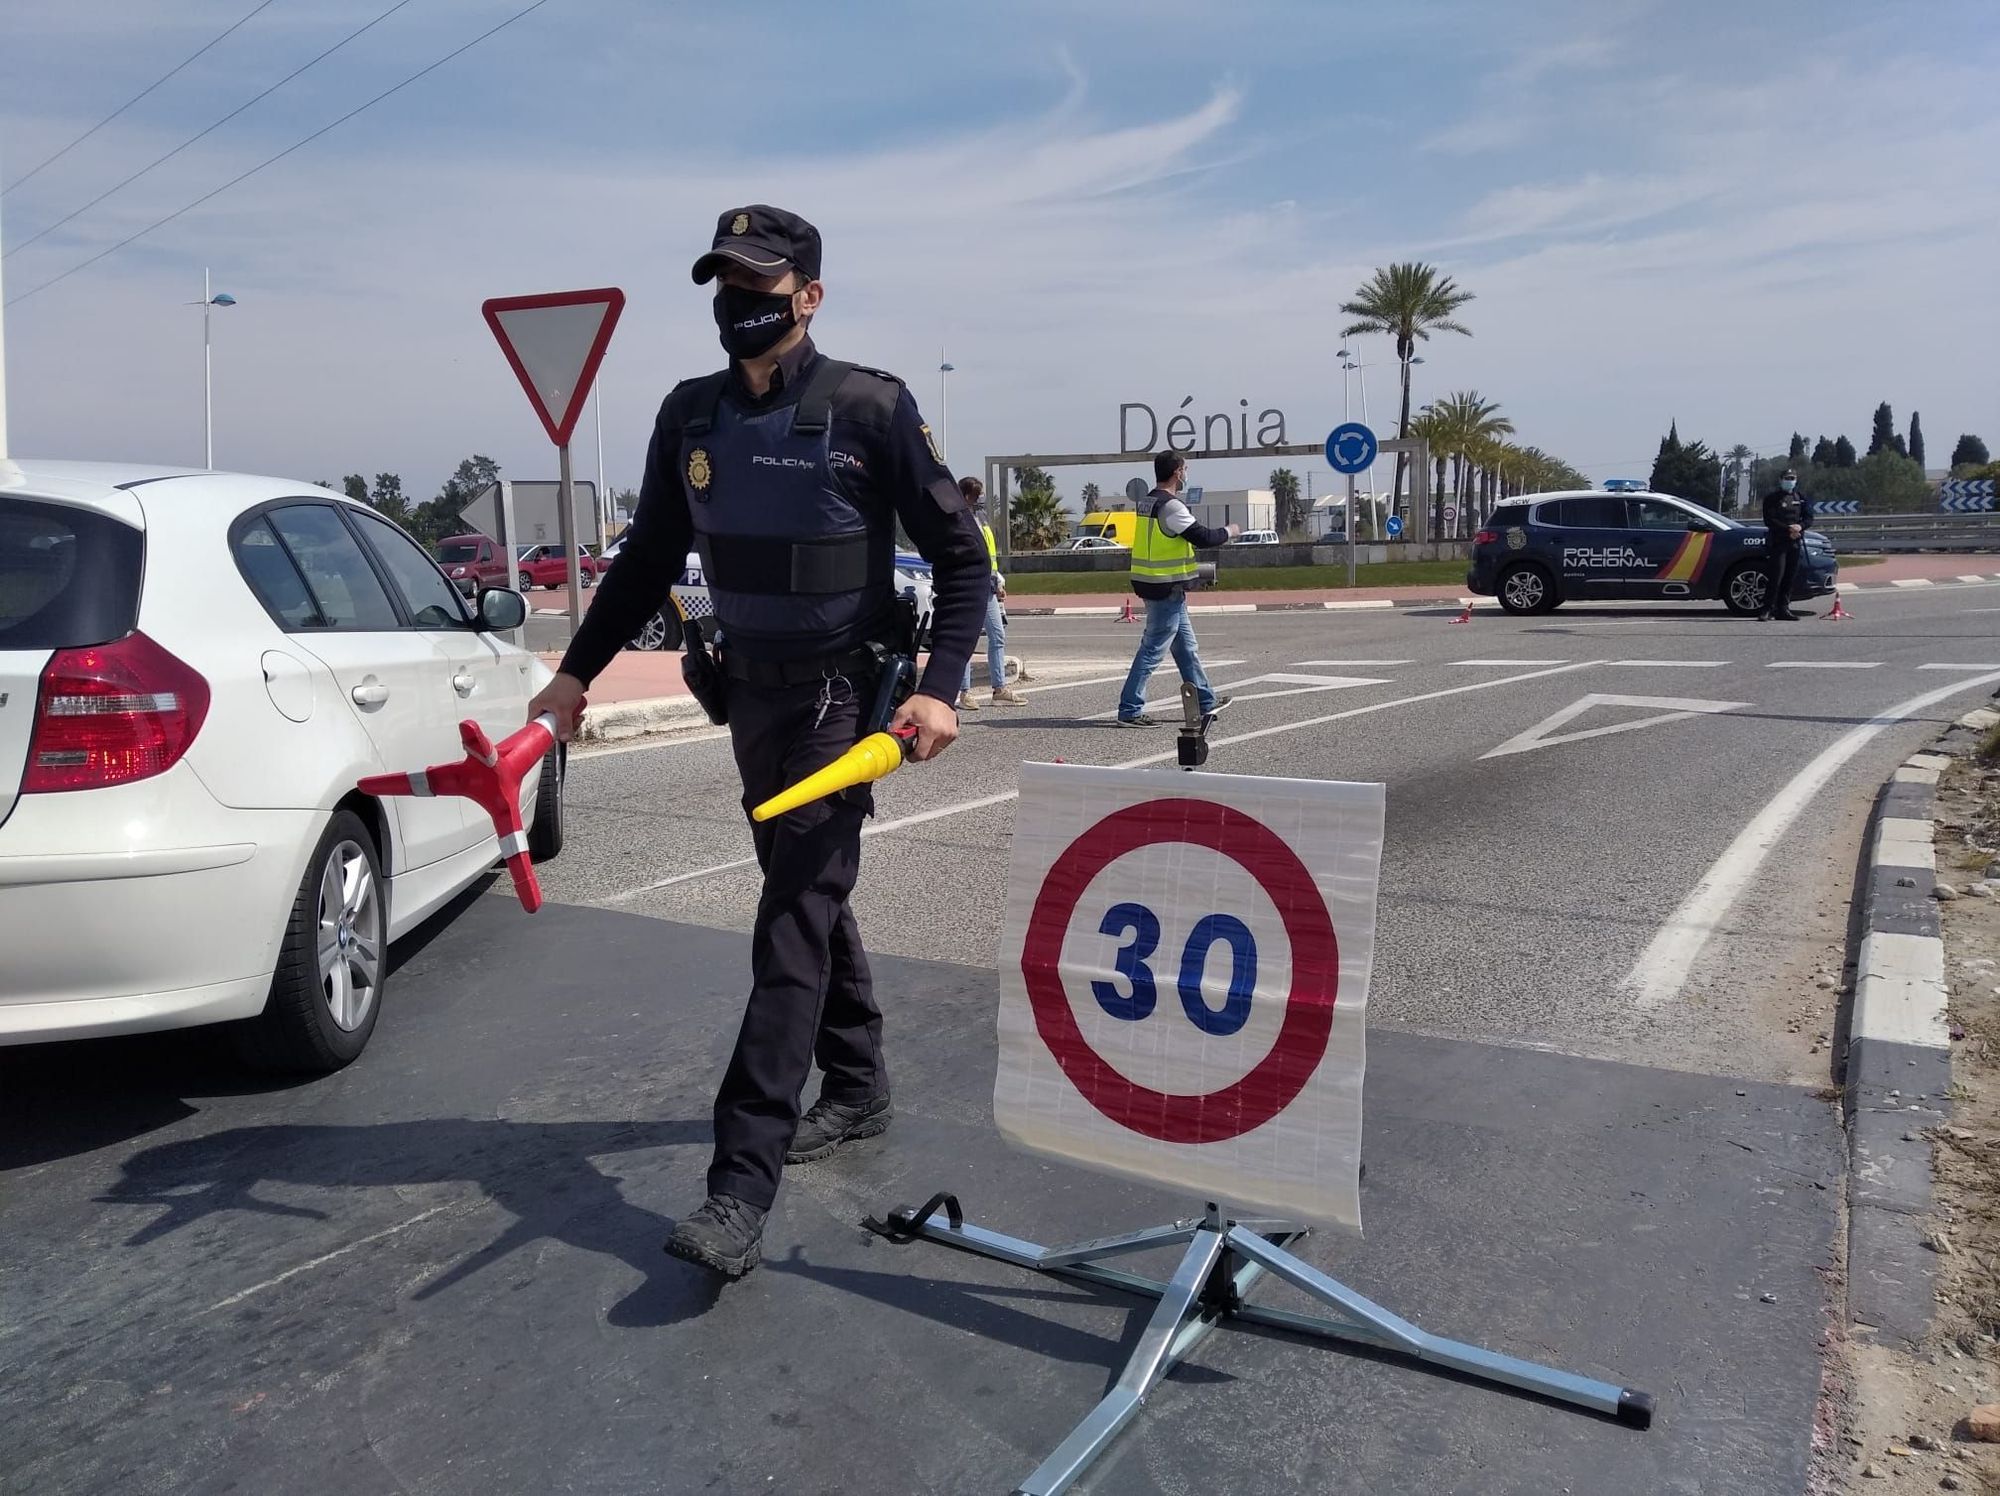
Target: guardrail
(1911, 532)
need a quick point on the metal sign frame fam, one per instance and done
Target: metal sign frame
(999, 470)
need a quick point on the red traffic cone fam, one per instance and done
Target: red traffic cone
(1838, 610)
(1465, 617)
(1126, 616)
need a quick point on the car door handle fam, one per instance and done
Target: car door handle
(371, 693)
(463, 683)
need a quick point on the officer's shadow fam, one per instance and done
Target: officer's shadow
(544, 1174)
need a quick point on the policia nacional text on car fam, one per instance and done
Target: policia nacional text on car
(789, 471)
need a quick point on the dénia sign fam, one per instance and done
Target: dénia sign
(1181, 430)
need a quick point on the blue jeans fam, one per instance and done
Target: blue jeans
(996, 648)
(1167, 625)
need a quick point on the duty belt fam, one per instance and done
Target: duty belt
(797, 672)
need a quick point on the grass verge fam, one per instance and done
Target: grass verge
(1256, 578)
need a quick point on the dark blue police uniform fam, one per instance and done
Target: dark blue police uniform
(792, 500)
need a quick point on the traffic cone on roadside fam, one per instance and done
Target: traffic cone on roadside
(1465, 617)
(1838, 611)
(1126, 616)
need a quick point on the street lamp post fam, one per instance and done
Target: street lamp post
(944, 410)
(209, 299)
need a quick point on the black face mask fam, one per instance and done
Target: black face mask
(752, 322)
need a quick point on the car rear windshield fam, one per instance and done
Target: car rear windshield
(68, 577)
(459, 550)
(1509, 514)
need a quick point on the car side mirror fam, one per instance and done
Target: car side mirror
(501, 610)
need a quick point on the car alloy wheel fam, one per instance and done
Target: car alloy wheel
(1747, 589)
(350, 936)
(1524, 590)
(653, 635)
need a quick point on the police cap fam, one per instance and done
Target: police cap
(767, 240)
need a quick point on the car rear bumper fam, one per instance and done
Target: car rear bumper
(145, 906)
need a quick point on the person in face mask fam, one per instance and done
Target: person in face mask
(789, 472)
(1787, 512)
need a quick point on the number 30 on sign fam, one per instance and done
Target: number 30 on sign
(1252, 902)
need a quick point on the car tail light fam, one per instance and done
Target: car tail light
(112, 713)
(1487, 537)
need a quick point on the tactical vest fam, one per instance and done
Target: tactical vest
(1160, 557)
(788, 557)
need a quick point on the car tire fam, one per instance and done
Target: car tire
(314, 1019)
(545, 830)
(1526, 588)
(1745, 588)
(654, 634)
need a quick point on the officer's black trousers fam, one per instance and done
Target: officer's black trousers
(1782, 568)
(811, 997)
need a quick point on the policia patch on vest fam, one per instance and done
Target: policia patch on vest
(699, 472)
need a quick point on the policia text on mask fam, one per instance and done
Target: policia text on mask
(789, 472)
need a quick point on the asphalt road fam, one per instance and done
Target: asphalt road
(1530, 897)
(1619, 845)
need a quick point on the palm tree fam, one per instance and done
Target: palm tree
(1408, 302)
(1468, 423)
(1036, 519)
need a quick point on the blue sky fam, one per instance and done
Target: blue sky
(1748, 218)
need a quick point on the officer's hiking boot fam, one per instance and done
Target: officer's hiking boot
(830, 1123)
(966, 703)
(722, 1234)
(1006, 696)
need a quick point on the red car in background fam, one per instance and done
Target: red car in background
(542, 566)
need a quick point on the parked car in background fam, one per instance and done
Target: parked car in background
(1256, 537)
(197, 669)
(1092, 543)
(1332, 537)
(542, 566)
(472, 561)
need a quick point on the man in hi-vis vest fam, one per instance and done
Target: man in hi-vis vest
(996, 615)
(1163, 564)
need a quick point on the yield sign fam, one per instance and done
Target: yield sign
(555, 343)
(1544, 734)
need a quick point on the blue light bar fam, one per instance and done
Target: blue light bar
(1624, 485)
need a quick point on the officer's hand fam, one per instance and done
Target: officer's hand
(935, 721)
(1797, 531)
(564, 697)
(1234, 530)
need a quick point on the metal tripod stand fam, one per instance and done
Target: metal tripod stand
(1224, 1259)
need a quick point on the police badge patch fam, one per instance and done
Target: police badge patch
(1517, 540)
(931, 442)
(740, 224)
(699, 472)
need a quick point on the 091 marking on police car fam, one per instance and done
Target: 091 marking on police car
(1184, 977)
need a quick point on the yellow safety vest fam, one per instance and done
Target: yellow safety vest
(1158, 556)
(992, 546)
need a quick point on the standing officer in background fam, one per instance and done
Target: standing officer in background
(789, 471)
(999, 693)
(1163, 568)
(1787, 512)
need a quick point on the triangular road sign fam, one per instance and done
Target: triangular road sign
(1670, 709)
(555, 343)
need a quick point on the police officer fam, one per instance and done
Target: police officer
(1787, 512)
(789, 471)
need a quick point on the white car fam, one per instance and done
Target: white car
(693, 608)
(195, 671)
(1256, 537)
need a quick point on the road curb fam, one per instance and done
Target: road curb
(1898, 1074)
(616, 721)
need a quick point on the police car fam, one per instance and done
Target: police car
(1623, 543)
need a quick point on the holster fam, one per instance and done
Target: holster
(704, 679)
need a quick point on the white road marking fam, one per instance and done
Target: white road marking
(1234, 690)
(1972, 577)
(1507, 662)
(1913, 582)
(1989, 665)
(1350, 603)
(1674, 664)
(924, 817)
(1544, 735)
(1822, 664)
(1086, 612)
(1222, 607)
(1303, 663)
(1662, 968)
(323, 1258)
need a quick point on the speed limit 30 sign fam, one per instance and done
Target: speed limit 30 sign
(1184, 981)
